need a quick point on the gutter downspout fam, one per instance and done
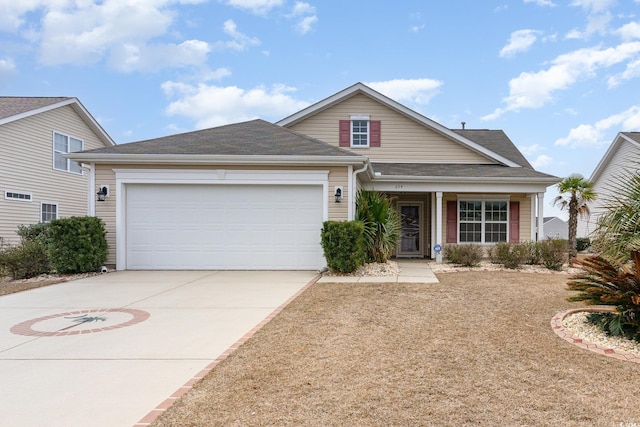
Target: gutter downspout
(91, 184)
(352, 189)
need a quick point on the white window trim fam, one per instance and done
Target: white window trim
(361, 117)
(53, 152)
(52, 204)
(483, 199)
(6, 196)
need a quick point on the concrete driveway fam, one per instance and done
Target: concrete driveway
(107, 350)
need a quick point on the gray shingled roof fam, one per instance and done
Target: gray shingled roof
(456, 170)
(256, 137)
(633, 135)
(496, 141)
(13, 105)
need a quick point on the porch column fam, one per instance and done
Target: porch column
(439, 224)
(533, 222)
(540, 216)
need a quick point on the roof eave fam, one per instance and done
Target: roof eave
(203, 159)
(465, 179)
(78, 108)
(606, 158)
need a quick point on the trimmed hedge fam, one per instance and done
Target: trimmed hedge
(343, 245)
(77, 244)
(26, 260)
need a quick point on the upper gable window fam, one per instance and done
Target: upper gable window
(359, 131)
(63, 144)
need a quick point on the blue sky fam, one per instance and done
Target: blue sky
(561, 78)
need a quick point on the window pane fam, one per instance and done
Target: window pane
(74, 167)
(60, 142)
(48, 212)
(59, 162)
(75, 145)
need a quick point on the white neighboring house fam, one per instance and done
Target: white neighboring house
(623, 155)
(38, 183)
(555, 228)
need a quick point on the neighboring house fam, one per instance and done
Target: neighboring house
(621, 158)
(37, 183)
(253, 195)
(555, 228)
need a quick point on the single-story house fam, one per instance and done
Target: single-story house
(555, 228)
(38, 183)
(621, 158)
(253, 195)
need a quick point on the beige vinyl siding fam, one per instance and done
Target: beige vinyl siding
(106, 210)
(525, 212)
(26, 161)
(625, 157)
(338, 176)
(403, 140)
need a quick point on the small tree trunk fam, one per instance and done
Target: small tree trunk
(573, 228)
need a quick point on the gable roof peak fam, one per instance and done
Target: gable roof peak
(359, 87)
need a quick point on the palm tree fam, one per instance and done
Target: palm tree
(575, 194)
(381, 224)
(618, 233)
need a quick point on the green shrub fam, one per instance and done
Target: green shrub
(535, 257)
(343, 245)
(26, 260)
(467, 255)
(34, 232)
(583, 243)
(609, 282)
(77, 244)
(553, 253)
(512, 255)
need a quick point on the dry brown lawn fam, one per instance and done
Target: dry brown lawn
(476, 349)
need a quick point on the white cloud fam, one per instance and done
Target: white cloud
(593, 5)
(542, 2)
(632, 71)
(7, 69)
(530, 150)
(541, 161)
(306, 24)
(630, 31)
(598, 18)
(210, 105)
(416, 28)
(125, 33)
(520, 41)
(419, 91)
(259, 7)
(239, 41)
(131, 57)
(534, 90)
(589, 135)
(305, 15)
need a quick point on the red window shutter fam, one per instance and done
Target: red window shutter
(452, 221)
(514, 222)
(374, 135)
(345, 133)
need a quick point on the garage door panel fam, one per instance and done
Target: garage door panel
(223, 226)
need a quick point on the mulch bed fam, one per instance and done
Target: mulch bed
(475, 349)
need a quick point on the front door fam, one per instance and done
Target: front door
(411, 229)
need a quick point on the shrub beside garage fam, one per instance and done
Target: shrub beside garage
(65, 246)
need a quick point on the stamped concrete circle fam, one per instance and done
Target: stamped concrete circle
(80, 322)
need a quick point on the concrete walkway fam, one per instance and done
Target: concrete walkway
(411, 271)
(107, 350)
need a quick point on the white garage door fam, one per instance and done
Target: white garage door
(231, 227)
